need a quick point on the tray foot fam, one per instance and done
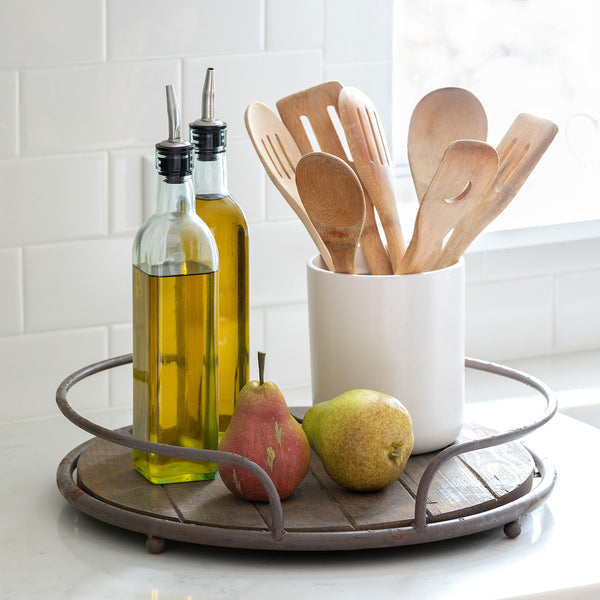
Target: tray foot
(155, 545)
(513, 529)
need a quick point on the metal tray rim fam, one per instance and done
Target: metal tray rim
(421, 531)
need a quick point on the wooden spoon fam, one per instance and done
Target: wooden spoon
(316, 105)
(439, 118)
(334, 201)
(279, 155)
(519, 151)
(369, 150)
(472, 165)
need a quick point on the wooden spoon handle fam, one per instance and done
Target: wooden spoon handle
(375, 253)
(394, 237)
(343, 254)
(370, 153)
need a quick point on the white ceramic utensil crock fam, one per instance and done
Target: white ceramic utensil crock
(398, 334)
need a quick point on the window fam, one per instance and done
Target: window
(536, 56)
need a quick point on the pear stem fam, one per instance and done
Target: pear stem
(261, 367)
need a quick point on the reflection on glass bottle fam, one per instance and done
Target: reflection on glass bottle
(175, 263)
(226, 220)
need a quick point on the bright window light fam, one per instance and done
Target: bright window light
(533, 56)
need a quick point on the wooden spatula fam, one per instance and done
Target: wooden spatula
(470, 164)
(315, 105)
(279, 155)
(519, 152)
(372, 161)
(333, 198)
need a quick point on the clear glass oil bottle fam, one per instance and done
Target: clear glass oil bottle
(175, 264)
(226, 220)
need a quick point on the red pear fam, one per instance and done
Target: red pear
(263, 430)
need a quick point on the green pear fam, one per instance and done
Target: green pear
(364, 438)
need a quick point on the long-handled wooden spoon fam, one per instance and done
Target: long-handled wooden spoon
(315, 105)
(472, 165)
(333, 198)
(519, 151)
(439, 118)
(371, 156)
(279, 155)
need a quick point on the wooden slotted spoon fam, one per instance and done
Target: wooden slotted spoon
(333, 198)
(439, 118)
(279, 155)
(314, 104)
(472, 164)
(519, 152)
(368, 146)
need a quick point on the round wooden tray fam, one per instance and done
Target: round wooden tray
(471, 486)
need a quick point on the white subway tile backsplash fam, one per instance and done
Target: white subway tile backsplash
(257, 339)
(82, 104)
(149, 178)
(509, 318)
(241, 79)
(9, 113)
(37, 32)
(52, 199)
(120, 341)
(245, 177)
(292, 25)
(278, 256)
(278, 208)
(126, 191)
(34, 365)
(356, 31)
(287, 346)
(77, 284)
(372, 78)
(96, 107)
(473, 266)
(11, 313)
(542, 259)
(578, 311)
(149, 28)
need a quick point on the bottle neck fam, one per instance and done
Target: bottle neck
(210, 176)
(174, 195)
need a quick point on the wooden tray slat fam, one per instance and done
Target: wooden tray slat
(105, 470)
(211, 503)
(506, 470)
(464, 485)
(391, 506)
(455, 489)
(310, 507)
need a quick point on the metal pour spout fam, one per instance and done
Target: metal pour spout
(174, 115)
(208, 96)
(208, 134)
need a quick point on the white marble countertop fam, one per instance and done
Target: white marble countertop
(49, 550)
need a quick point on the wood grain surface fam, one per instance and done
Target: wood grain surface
(464, 485)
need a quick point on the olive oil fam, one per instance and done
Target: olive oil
(174, 370)
(175, 279)
(227, 223)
